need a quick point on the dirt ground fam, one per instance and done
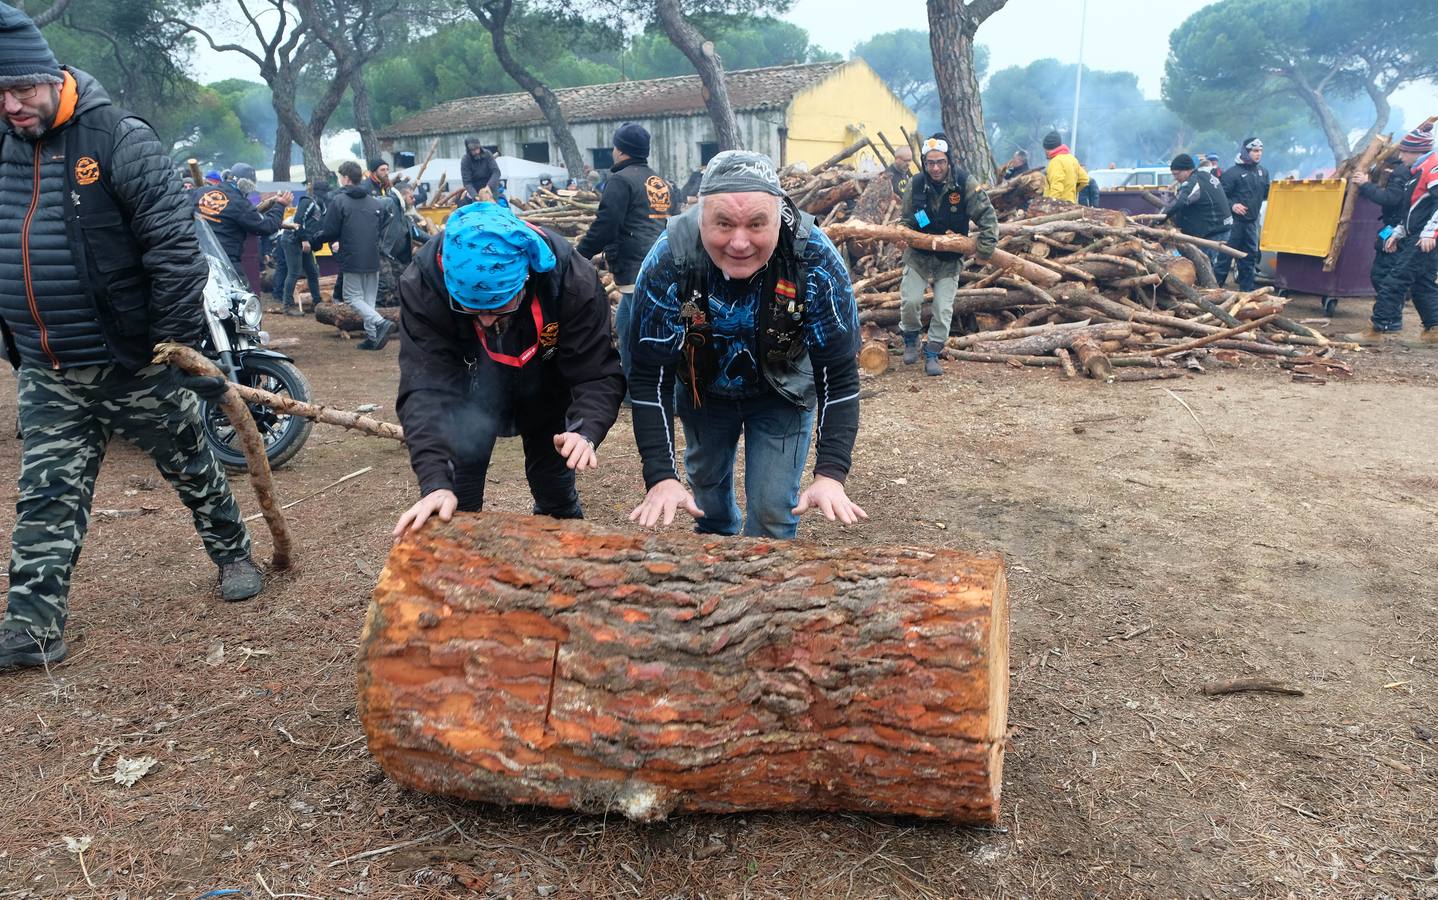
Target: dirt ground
(1281, 531)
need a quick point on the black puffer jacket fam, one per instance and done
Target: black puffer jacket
(636, 203)
(125, 272)
(441, 360)
(354, 219)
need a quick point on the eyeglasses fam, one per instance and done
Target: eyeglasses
(21, 93)
(935, 163)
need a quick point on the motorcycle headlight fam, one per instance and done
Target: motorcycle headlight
(250, 312)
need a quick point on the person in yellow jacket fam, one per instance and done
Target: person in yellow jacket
(1066, 177)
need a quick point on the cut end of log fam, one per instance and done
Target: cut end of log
(524, 660)
(874, 358)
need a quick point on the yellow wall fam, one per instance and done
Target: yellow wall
(835, 113)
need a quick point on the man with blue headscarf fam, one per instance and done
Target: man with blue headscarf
(504, 331)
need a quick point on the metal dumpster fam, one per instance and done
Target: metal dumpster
(1131, 200)
(1299, 225)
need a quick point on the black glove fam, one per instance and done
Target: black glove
(206, 387)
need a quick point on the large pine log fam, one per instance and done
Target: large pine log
(522, 659)
(343, 316)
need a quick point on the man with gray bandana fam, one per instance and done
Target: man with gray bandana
(749, 304)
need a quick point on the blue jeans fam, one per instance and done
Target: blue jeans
(299, 262)
(1243, 236)
(776, 446)
(623, 322)
(1214, 256)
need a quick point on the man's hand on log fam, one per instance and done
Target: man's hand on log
(1359, 177)
(664, 500)
(577, 451)
(441, 503)
(827, 495)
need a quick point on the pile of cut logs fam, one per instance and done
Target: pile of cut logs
(568, 212)
(1084, 289)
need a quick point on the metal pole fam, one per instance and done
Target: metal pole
(1078, 80)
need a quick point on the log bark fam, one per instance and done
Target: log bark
(1091, 356)
(189, 360)
(960, 243)
(341, 316)
(1044, 344)
(1365, 161)
(524, 660)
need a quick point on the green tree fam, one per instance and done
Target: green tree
(1230, 60)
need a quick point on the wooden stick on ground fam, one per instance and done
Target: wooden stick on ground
(189, 360)
(1249, 685)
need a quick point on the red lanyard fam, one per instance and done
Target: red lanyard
(522, 359)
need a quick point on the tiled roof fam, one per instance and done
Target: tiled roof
(749, 89)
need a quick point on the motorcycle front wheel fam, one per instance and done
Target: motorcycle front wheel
(283, 434)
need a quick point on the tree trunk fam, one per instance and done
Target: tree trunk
(524, 660)
(493, 15)
(1333, 131)
(364, 121)
(284, 149)
(952, 26)
(706, 62)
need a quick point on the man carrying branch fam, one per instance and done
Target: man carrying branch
(942, 199)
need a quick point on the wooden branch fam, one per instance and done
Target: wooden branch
(1210, 339)
(1249, 685)
(954, 243)
(189, 360)
(1365, 160)
(319, 413)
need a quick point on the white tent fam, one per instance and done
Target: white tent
(520, 175)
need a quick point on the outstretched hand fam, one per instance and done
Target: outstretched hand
(828, 497)
(578, 451)
(441, 503)
(662, 502)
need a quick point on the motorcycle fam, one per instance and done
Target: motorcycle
(235, 342)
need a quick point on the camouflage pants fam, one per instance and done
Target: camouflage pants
(68, 417)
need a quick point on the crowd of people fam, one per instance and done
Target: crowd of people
(737, 318)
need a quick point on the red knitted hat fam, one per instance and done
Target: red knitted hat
(1419, 140)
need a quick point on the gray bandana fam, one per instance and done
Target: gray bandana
(738, 172)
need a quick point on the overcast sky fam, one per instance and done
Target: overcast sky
(1121, 34)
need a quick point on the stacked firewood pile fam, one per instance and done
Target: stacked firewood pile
(568, 212)
(1086, 290)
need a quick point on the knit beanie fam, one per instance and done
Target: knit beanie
(245, 171)
(1419, 140)
(633, 139)
(25, 57)
(1052, 140)
(1181, 163)
(375, 163)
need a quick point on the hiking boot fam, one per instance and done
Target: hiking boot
(365, 344)
(19, 649)
(1371, 336)
(911, 347)
(931, 359)
(239, 580)
(294, 311)
(386, 331)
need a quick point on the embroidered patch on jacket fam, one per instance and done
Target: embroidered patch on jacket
(786, 289)
(549, 337)
(87, 171)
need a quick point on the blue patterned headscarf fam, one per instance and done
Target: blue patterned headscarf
(488, 255)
